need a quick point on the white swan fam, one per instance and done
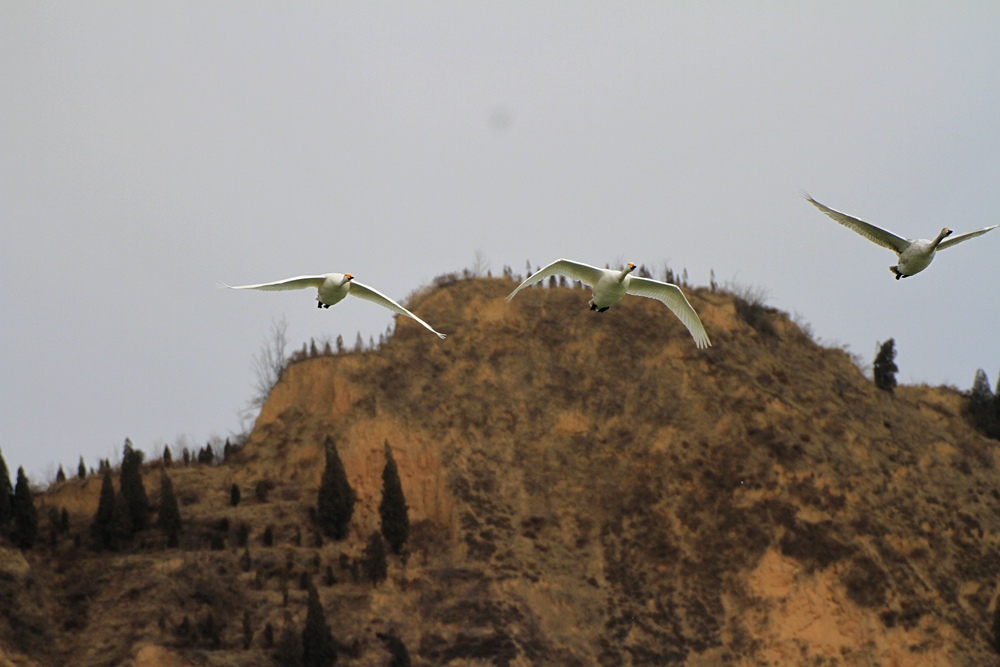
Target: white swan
(610, 286)
(915, 255)
(332, 289)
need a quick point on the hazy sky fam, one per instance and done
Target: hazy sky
(150, 150)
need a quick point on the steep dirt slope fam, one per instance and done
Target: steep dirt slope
(584, 489)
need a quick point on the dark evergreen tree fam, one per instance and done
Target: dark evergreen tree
(268, 635)
(169, 519)
(6, 491)
(234, 495)
(268, 538)
(60, 476)
(317, 643)
(335, 502)
(242, 535)
(393, 509)
(25, 515)
(130, 486)
(289, 652)
(400, 657)
(105, 512)
(168, 458)
(64, 522)
(885, 366)
(81, 470)
(210, 632)
(374, 563)
(984, 407)
(122, 527)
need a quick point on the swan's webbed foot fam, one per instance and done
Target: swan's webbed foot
(319, 304)
(895, 269)
(592, 306)
(601, 310)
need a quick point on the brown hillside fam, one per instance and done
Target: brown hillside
(584, 489)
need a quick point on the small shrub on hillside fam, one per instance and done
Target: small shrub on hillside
(268, 538)
(885, 367)
(234, 495)
(374, 563)
(751, 307)
(261, 490)
(242, 535)
(247, 630)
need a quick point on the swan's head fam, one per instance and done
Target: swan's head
(348, 277)
(945, 232)
(631, 267)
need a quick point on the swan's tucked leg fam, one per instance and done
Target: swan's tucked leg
(895, 269)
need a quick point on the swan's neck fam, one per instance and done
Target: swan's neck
(940, 237)
(627, 270)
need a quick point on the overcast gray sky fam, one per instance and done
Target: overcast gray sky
(149, 150)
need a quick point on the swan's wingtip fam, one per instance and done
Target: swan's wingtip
(441, 335)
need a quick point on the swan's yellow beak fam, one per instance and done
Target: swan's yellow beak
(631, 265)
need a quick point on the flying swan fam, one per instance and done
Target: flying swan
(915, 255)
(333, 287)
(610, 286)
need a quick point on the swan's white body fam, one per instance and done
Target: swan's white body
(611, 286)
(333, 288)
(915, 255)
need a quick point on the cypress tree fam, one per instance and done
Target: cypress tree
(131, 487)
(24, 512)
(317, 643)
(289, 653)
(105, 512)
(169, 519)
(335, 501)
(6, 512)
(392, 509)
(60, 476)
(122, 527)
(234, 495)
(885, 366)
(81, 470)
(374, 561)
(168, 458)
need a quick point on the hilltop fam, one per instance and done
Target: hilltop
(583, 488)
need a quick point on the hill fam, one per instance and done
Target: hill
(583, 489)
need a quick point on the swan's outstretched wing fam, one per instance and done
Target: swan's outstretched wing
(673, 298)
(370, 294)
(585, 273)
(964, 237)
(299, 282)
(870, 232)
